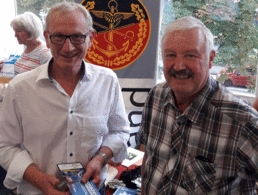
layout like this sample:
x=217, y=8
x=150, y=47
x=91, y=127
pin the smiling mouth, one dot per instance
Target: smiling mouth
x=182, y=76
x=69, y=56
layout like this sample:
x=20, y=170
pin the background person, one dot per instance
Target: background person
x=28, y=28
x=64, y=111
x=199, y=138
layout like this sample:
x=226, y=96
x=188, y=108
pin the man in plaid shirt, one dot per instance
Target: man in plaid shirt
x=199, y=138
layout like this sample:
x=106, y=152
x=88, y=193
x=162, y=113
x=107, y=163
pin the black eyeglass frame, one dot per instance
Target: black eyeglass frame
x=69, y=36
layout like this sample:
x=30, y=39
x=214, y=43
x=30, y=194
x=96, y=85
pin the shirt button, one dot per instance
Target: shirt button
x=71, y=111
x=71, y=133
x=71, y=154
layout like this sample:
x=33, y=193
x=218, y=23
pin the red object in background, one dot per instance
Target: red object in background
x=237, y=79
x=120, y=169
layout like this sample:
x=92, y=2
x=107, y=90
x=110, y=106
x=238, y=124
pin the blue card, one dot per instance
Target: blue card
x=73, y=173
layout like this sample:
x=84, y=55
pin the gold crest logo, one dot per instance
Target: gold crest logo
x=122, y=30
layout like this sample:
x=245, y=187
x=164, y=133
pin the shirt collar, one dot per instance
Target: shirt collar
x=169, y=95
x=201, y=105
x=44, y=74
x=196, y=111
x=87, y=71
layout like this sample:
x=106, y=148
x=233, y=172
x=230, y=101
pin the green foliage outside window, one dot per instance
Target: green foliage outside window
x=234, y=23
x=38, y=7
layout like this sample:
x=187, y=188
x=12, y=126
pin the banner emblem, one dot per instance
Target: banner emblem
x=122, y=30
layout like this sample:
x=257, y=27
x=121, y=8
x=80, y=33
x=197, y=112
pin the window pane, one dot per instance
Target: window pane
x=38, y=7
x=234, y=26
x=9, y=44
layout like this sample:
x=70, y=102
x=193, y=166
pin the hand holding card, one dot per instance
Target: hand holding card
x=73, y=173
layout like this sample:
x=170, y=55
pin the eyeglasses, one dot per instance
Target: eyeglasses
x=75, y=39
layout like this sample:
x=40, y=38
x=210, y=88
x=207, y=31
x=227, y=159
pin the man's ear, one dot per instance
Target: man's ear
x=212, y=56
x=91, y=36
x=47, y=39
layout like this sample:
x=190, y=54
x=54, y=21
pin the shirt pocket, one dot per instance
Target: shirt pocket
x=205, y=173
x=93, y=131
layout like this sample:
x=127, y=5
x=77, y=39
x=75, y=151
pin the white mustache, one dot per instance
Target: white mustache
x=181, y=73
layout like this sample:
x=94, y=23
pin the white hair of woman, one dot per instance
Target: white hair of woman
x=28, y=28
x=29, y=22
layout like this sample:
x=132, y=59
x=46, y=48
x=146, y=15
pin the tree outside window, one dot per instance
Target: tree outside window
x=234, y=24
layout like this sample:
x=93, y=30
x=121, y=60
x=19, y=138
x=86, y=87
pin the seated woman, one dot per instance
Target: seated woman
x=28, y=28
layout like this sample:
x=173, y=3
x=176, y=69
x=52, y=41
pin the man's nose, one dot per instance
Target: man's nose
x=179, y=63
x=68, y=46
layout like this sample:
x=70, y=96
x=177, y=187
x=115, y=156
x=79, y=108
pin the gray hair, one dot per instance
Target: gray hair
x=66, y=7
x=189, y=22
x=29, y=22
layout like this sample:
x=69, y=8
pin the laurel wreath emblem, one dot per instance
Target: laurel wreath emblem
x=135, y=49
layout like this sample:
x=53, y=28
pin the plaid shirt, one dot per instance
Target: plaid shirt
x=211, y=148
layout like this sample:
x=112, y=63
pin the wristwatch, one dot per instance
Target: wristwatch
x=104, y=156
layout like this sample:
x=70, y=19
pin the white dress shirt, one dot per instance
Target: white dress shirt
x=41, y=124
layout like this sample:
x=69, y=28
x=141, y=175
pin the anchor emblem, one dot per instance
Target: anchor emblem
x=113, y=18
x=122, y=32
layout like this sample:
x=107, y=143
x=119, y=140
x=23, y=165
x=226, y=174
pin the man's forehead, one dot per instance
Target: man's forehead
x=184, y=37
x=74, y=21
x=185, y=34
x=66, y=18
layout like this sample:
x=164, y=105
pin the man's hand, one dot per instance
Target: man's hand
x=114, y=164
x=95, y=165
x=45, y=183
x=93, y=170
x=49, y=185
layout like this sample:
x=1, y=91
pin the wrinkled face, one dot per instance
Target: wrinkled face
x=186, y=65
x=68, y=54
x=21, y=35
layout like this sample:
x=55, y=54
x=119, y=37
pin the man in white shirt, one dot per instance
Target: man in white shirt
x=64, y=111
